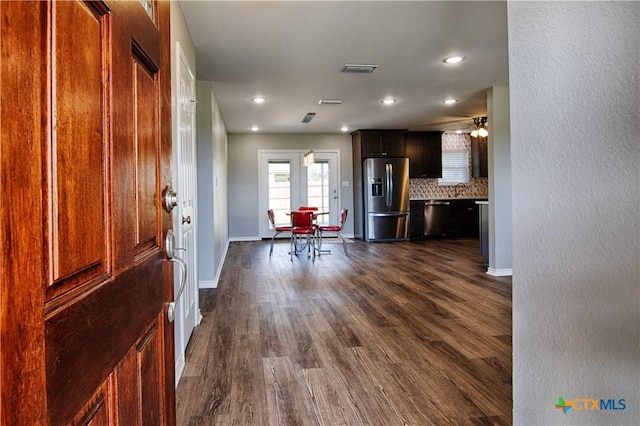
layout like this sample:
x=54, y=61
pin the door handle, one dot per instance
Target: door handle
x=170, y=248
x=169, y=198
x=389, y=176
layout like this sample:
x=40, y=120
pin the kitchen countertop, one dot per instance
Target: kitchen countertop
x=451, y=198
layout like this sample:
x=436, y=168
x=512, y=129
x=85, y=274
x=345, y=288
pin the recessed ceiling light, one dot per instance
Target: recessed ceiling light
x=449, y=101
x=453, y=59
x=388, y=101
x=259, y=100
x=255, y=128
x=344, y=128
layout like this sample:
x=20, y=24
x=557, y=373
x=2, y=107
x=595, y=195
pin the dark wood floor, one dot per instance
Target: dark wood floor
x=396, y=333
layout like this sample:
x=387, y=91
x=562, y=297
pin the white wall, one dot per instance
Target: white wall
x=211, y=159
x=575, y=131
x=243, y=174
x=180, y=33
x=499, y=161
x=213, y=205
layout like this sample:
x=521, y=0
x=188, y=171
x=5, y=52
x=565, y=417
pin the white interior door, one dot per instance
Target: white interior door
x=187, y=309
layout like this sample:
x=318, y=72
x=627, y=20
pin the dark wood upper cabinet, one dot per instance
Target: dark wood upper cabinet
x=479, y=157
x=382, y=143
x=424, y=150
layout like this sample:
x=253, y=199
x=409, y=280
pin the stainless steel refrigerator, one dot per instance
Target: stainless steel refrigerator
x=386, y=199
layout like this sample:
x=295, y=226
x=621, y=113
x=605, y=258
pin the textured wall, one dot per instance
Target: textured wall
x=575, y=126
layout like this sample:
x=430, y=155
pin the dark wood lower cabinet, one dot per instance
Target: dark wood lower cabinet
x=483, y=224
x=416, y=219
x=459, y=218
x=464, y=218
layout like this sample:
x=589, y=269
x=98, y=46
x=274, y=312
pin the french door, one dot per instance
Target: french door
x=286, y=184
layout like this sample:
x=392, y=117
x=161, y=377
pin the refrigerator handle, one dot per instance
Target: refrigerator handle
x=389, y=184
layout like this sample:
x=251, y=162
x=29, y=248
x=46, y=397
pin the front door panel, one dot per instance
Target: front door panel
x=108, y=345
x=78, y=150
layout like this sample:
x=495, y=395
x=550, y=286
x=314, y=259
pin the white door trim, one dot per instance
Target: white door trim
x=185, y=183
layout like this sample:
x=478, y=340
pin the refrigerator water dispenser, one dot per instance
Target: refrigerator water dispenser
x=376, y=187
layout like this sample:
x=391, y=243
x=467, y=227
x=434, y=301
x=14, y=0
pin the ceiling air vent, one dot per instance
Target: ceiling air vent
x=307, y=118
x=330, y=101
x=362, y=69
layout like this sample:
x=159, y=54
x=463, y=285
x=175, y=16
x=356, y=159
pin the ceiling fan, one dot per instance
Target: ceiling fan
x=463, y=123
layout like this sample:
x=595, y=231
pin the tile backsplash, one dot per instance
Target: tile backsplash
x=422, y=189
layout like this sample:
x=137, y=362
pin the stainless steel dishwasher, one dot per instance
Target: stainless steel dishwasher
x=437, y=214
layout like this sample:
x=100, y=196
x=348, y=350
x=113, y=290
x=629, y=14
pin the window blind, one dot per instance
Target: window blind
x=455, y=167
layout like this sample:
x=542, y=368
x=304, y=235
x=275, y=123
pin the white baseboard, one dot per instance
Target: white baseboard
x=221, y=264
x=284, y=236
x=180, y=363
x=208, y=284
x=232, y=239
x=507, y=272
x=216, y=279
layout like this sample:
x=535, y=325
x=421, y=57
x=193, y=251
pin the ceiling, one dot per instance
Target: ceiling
x=293, y=53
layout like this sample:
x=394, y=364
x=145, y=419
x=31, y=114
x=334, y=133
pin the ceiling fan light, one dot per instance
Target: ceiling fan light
x=483, y=132
x=474, y=133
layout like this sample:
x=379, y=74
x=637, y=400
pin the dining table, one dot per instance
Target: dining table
x=301, y=244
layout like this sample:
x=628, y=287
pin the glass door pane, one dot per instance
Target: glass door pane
x=318, y=188
x=280, y=190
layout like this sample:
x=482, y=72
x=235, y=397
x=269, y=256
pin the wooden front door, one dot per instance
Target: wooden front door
x=86, y=146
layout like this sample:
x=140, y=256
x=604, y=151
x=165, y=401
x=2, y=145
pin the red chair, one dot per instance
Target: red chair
x=302, y=226
x=306, y=208
x=277, y=229
x=334, y=228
